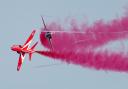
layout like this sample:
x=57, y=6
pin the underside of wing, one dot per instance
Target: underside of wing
x=20, y=61
x=29, y=40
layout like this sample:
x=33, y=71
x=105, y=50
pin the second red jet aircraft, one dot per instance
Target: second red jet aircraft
x=23, y=49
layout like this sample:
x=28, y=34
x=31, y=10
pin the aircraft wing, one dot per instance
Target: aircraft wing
x=29, y=40
x=20, y=61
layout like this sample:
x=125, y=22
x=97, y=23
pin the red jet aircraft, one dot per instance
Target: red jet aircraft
x=48, y=34
x=23, y=49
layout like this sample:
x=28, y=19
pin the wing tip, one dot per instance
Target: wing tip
x=18, y=69
x=34, y=31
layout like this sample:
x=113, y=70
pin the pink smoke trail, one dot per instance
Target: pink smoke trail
x=84, y=45
x=115, y=62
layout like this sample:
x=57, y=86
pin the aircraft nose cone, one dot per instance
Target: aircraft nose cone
x=48, y=35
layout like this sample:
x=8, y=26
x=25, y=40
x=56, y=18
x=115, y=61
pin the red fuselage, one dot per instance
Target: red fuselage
x=19, y=48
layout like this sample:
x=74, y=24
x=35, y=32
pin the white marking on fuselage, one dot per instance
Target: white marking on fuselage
x=22, y=57
x=27, y=44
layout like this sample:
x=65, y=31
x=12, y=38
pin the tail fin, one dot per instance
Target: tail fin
x=30, y=54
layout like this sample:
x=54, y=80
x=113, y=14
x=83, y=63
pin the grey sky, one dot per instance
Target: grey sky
x=19, y=17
